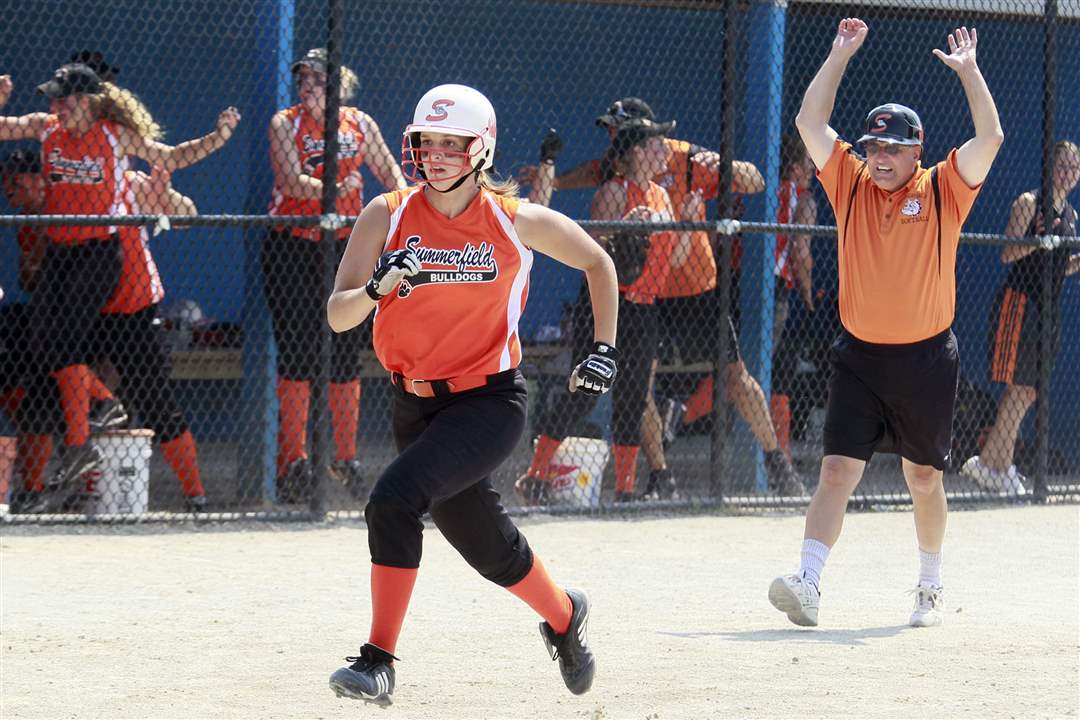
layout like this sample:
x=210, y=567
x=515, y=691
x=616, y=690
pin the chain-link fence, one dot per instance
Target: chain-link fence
x=174, y=357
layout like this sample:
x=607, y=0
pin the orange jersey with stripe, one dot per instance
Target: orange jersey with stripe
x=307, y=134
x=83, y=176
x=140, y=284
x=897, y=285
x=645, y=289
x=789, y=195
x=459, y=315
x=698, y=273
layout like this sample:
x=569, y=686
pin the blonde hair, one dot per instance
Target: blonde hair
x=124, y=108
x=507, y=187
x=350, y=83
x=1066, y=146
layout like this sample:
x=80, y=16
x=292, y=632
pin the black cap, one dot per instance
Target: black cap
x=629, y=108
x=634, y=132
x=72, y=79
x=95, y=60
x=893, y=123
x=20, y=162
x=314, y=58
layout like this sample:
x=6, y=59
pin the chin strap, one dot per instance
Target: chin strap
x=460, y=180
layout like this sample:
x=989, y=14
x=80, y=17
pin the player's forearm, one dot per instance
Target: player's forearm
x=820, y=96
x=604, y=294
x=188, y=153
x=348, y=308
x=580, y=177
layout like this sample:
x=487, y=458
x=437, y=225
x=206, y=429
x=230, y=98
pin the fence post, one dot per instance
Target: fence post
x=321, y=430
x=1046, y=307
x=764, y=99
x=257, y=428
x=718, y=449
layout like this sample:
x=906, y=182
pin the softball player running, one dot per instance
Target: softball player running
x=445, y=266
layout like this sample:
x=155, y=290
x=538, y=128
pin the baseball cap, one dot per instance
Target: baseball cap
x=20, y=162
x=314, y=58
x=71, y=79
x=634, y=132
x=893, y=123
x=95, y=60
x=629, y=108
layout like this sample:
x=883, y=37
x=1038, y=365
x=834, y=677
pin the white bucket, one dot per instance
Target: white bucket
x=122, y=484
x=577, y=472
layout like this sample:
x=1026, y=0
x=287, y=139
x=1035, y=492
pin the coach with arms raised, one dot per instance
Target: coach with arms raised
x=895, y=363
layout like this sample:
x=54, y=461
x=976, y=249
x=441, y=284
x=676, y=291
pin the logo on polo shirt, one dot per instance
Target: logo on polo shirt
x=912, y=207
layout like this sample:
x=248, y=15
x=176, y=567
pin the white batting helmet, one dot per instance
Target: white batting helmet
x=451, y=110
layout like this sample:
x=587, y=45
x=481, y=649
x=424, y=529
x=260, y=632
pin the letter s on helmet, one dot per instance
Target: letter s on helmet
x=451, y=110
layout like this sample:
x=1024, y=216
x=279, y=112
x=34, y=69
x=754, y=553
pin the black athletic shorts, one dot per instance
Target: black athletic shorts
x=692, y=326
x=1016, y=338
x=892, y=398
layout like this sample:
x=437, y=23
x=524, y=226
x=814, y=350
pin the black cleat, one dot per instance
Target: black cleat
x=532, y=491
x=370, y=677
x=783, y=480
x=350, y=474
x=296, y=484
x=195, y=504
x=661, y=486
x=576, y=662
x=624, y=497
x=107, y=414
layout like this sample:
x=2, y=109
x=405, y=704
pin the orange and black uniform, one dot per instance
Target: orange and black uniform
x=293, y=271
x=637, y=338
x=128, y=333
x=449, y=338
x=1018, y=314
x=83, y=175
x=895, y=363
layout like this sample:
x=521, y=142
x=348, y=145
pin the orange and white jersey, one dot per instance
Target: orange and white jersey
x=307, y=134
x=84, y=175
x=140, y=284
x=789, y=196
x=459, y=315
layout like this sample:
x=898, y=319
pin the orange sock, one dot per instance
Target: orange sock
x=75, y=401
x=391, y=589
x=294, y=401
x=10, y=401
x=780, y=409
x=34, y=452
x=700, y=403
x=626, y=467
x=95, y=387
x=183, y=458
x=545, y=450
x=545, y=597
x=345, y=416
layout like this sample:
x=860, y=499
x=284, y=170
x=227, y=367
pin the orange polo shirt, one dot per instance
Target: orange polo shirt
x=896, y=284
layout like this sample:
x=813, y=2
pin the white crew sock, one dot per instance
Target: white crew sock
x=812, y=560
x=929, y=568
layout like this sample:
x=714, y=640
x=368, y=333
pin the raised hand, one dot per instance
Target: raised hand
x=961, y=54
x=390, y=270
x=596, y=373
x=849, y=36
x=227, y=122
x=6, y=86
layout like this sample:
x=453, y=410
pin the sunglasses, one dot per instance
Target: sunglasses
x=890, y=149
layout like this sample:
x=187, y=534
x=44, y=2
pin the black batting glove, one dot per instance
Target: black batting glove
x=390, y=270
x=551, y=146
x=596, y=374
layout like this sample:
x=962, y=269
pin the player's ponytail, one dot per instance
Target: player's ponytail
x=124, y=108
x=507, y=187
x=349, y=83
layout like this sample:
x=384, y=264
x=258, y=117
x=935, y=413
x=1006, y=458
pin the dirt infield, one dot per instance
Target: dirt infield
x=228, y=623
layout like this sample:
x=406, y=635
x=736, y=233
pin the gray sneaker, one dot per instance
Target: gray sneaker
x=929, y=603
x=370, y=677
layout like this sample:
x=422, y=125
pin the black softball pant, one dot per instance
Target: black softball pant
x=637, y=340
x=75, y=282
x=449, y=446
x=292, y=283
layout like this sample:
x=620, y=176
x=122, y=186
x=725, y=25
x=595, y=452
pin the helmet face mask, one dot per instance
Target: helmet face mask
x=450, y=110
